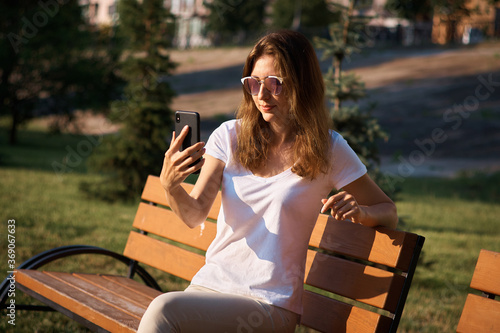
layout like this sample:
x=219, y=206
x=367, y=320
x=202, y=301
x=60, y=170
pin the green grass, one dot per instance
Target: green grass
x=458, y=218
x=51, y=211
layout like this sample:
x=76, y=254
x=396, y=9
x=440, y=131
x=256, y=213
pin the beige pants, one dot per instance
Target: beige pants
x=198, y=309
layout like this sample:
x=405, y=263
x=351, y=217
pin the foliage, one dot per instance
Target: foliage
x=301, y=15
x=349, y=88
x=419, y=10
x=357, y=126
x=361, y=130
x=452, y=8
x=144, y=113
x=228, y=18
x=52, y=61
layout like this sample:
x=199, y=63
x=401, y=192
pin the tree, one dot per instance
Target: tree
x=229, y=18
x=51, y=61
x=137, y=150
x=358, y=127
x=343, y=42
x=301, y=15
x=413, y=10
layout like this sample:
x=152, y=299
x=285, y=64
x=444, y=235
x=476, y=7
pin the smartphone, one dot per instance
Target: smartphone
x=192, y=119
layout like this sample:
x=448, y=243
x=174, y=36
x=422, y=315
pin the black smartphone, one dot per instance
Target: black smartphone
x=192, y=119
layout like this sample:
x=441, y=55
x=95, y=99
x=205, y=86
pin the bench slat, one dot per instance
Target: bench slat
x=328, y=315
x=167, y=257
x=480, y=314
x=487, y=273
x=116, y=287
x=378, y=245
x=114, y=299
x=153, y=220
x=360, y=282
x=154, y=192
x=70, y=300
x=130, y=284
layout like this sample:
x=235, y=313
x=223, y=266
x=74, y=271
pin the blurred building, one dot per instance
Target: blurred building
x=482, y=19
x=100, y=12
x=189, y=18
x=384, y=27
x=479, y=19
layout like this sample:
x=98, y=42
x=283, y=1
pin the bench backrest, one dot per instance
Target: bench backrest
x=357, y=277
x=482, y=313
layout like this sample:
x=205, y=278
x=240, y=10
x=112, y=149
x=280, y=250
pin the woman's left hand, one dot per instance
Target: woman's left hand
x=362, y=201
x=344, y=207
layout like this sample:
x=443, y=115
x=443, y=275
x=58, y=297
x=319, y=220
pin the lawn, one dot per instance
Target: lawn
x=458, y=217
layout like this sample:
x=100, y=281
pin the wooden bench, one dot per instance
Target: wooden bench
x=481, y=314
x=357, y=278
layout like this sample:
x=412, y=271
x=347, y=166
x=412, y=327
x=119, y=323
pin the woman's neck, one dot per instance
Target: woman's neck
x=279, y=156
x=281, y=136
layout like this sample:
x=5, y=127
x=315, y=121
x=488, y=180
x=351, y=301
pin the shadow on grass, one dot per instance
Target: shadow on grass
x=63, y=153
x=47, y=152
x=472, y=187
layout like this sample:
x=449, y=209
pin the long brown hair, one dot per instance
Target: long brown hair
x=296, y=61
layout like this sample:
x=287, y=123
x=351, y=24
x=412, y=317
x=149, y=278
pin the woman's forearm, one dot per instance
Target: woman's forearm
x=185, y=207
x=382, y=214
x=193, y=208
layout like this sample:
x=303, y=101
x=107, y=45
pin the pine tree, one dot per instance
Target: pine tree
x=234, y=20
x=51, y=61
x=137, y=150
x=305, y=16
x=356, y=125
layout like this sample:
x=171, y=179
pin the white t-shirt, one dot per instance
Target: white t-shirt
x=264, y=224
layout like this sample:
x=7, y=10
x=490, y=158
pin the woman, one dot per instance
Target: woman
x=276, y=165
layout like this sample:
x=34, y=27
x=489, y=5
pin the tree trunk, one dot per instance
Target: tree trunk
x=337, y=60
x=337, y=65
x=6, y=93
x=297, y=15
x=14, y=125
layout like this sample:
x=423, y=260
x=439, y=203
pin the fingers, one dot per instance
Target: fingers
x=181, y=161
x=192, y=160
x=343, y=206
x=184, y=162
x=178, y=138
x=176, y=144
x=177, y=165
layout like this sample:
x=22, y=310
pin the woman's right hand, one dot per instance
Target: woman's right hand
x=176, y=164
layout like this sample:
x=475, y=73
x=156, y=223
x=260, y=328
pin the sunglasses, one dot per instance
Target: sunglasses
x=272, y=83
